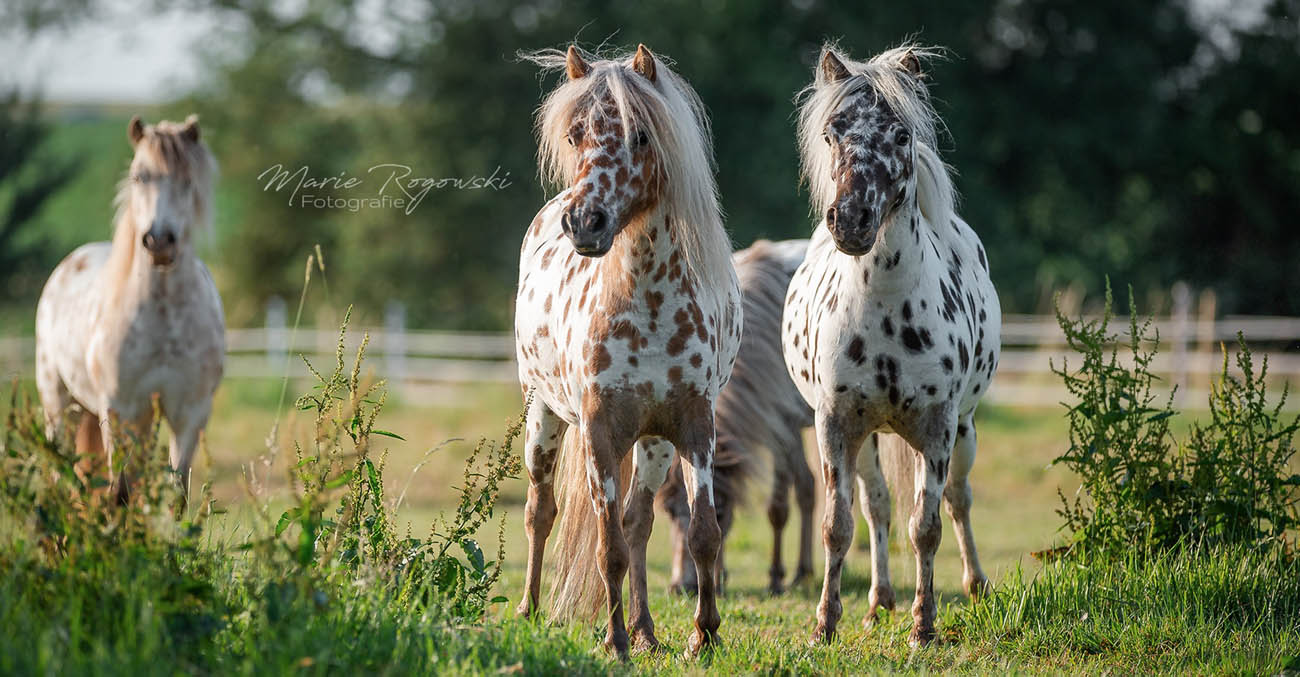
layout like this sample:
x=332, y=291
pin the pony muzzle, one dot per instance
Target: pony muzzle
x=161, y=245
x=590, y=230
x=853, y=228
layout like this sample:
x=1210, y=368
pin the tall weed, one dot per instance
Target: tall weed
x=1140, y=488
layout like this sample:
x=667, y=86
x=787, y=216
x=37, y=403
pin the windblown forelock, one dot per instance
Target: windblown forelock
x=907, y=98
x=165, y=151
x=673, y=117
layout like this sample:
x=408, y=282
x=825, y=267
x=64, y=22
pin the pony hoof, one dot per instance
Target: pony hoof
x=822, y=636
x=920, y=637
x=775, y=588
x=800, y=577
x=525, y=610
x=873, y=617
x=978, y=588
x=616, y=649
x=699, y=643
x=644, y=643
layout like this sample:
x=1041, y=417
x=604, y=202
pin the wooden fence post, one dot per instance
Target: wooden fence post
x=1205, y=335
x=1182, y=308
x=277, y=335
x=395, y=342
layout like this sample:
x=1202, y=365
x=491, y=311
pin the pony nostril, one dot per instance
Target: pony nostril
x=830, y=216
x=596, y=222
x=169, y=238
x=864, y=221
x=566, y=222
x=148, y=240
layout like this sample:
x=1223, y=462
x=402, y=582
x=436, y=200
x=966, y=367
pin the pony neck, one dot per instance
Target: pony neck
x=639, y=252
x=900, y=246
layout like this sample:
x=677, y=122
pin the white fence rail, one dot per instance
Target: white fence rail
x=1190, y=354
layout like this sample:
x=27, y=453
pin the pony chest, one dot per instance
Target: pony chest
x=664, y=340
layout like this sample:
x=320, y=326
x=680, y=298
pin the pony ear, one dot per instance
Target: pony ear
x=832, y=69
x=190, y=132
x=134, y=130
x=911, y=64
x=644, y=63
x=574, y=65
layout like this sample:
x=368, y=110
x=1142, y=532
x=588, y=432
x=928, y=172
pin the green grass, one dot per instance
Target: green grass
x=208, y=607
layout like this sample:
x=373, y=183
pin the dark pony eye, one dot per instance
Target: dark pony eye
x=904, y=138
x=569, y=138
x=827, y=138
x=642, y=139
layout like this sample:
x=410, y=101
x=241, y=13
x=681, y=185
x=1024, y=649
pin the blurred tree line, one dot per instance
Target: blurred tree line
x=1147, y=141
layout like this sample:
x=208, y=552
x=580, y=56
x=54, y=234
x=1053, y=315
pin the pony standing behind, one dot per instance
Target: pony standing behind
x=760, y=411
x=118, y=323
x=627, y=322
x=891, y=323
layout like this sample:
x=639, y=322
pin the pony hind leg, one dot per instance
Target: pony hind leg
x=874, y=493
x=652, y=458
x=805, y=488
x=544, y=432
x=778, y=513
x=957, y=500
x=838, y=439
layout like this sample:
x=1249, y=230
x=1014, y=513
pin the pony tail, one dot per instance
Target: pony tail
x=898, y=464
x=577, y=590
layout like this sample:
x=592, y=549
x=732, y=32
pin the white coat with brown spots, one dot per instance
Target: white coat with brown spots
x=892, y=323
x=627, y=322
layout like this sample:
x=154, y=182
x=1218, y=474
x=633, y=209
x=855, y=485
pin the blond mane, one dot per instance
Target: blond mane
x=906, y=95
x=680, y=137
x=161, y=151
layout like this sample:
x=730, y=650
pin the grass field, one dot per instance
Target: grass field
x=1221, y=611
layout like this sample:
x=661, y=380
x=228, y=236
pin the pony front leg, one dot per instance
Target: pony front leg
x=186, y=424
x=704, y=536
x=957, y=499
x=652, y=459
x=127, y=430
x=875, y=506
x=544, y=433
x=838, y=439
x=602, y=482
x=925, y=528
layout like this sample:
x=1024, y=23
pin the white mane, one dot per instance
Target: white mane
x=909, y=99
x=674, y=118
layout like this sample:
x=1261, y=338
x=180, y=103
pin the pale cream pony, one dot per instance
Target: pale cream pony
x=120, y=322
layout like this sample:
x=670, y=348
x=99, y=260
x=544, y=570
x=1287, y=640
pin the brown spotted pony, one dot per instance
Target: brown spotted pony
x=121, y=322
x=760, y=415
x=627, y=322
x=892, y=323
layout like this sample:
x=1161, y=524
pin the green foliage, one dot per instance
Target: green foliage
x=1230, y=483
x=1239, y=462
x=29, y=175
